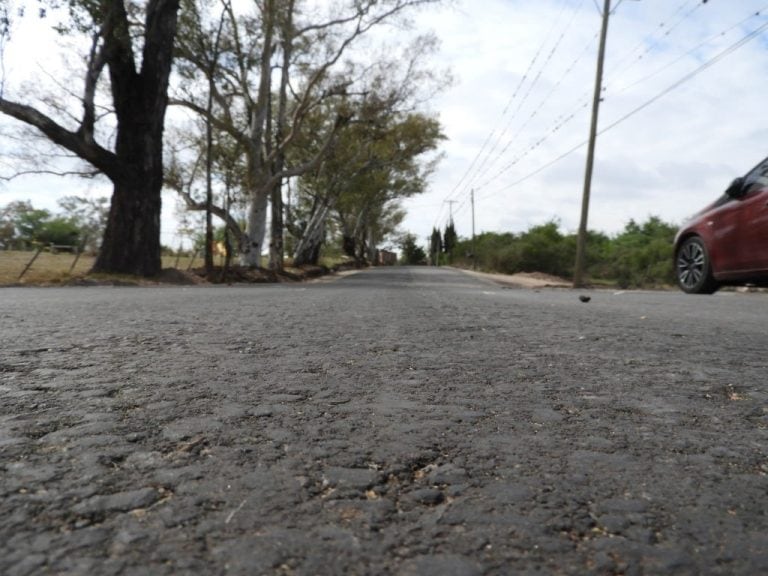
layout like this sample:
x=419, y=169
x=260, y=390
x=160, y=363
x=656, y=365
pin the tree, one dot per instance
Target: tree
x=24, y=225
x=391, y=168
x=412, y=253
x=267, y=117
x=134, y=160
x=450, y=239
x=643, y=254
x=60, y=232
x=89, y=215
x=21, y=223
x=29, y=221
x=435, y=246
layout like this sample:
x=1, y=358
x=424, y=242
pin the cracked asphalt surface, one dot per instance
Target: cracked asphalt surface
x=398, y=421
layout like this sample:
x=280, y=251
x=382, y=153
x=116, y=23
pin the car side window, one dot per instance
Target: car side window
x=758, y=177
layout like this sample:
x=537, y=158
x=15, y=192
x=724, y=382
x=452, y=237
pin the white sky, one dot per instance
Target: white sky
x=522, y=67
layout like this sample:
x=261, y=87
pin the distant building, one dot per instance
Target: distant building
x=386, y=258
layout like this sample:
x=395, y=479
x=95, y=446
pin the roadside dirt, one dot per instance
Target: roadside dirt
x=522, y=279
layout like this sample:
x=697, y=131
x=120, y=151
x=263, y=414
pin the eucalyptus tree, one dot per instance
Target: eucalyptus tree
x=396, y=168
x=206, y=169
x=127, y=59
x=382, y=156
x=281, y=61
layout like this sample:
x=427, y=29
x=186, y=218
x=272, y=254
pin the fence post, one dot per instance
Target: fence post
x=194, y=255
x=29, y=264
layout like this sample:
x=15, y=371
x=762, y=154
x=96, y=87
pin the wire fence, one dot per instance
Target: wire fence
x=55, y=263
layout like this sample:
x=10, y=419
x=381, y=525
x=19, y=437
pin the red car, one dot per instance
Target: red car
x=727, y=242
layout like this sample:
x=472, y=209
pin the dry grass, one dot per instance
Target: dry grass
x=56, y=268
x=47, y=268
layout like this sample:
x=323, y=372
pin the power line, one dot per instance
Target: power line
x=694, y=49
x=667, y=31
x=563, y=120
x=505, y=110
x=708, y=64
x=463, y=184
x=728, y=51
x=535, y=112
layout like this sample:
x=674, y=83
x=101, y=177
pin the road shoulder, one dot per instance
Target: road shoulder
x=520, y=280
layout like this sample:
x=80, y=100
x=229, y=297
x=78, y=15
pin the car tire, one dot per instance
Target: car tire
x=693, y=268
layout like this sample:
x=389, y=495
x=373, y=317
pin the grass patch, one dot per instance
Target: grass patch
x=57, y=268
x=47, y=268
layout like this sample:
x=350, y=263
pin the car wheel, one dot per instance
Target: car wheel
x=693, y=268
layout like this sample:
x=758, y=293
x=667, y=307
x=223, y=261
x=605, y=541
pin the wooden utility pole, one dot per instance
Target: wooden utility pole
x=581, y=239
x=450, y=207
x=474, y=249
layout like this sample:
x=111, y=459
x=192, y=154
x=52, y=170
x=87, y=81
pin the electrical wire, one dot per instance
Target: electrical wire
x=706, y=65
x=622, y=64
x=480, y=171
x=563, y=120
x=504, y=112
x=512, y=98
x=693, y=50
x=466, y=180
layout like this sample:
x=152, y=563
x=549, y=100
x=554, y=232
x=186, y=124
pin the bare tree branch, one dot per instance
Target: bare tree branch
x=79, y=173
x=102, y=159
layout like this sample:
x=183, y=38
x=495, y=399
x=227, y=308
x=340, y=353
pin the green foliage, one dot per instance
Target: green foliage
x=59, y=231
x=89, y=215
x=412, y=253
x=544, y=249
x=450, y=240
x=435, y=245
x=641, y=255
x=29, y=223
x=22, y=225
x=376, y=161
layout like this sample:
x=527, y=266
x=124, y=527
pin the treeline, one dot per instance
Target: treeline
x=79, y=223
x=638, y=256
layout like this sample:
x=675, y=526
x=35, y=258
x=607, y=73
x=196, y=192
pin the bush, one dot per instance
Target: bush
x=412, y=253
x=641, y=255
x=59, y=231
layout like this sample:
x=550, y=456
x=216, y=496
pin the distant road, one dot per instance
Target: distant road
x=396, y=421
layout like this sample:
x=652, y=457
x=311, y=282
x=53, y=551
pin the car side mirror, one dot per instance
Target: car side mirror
x=736, y=189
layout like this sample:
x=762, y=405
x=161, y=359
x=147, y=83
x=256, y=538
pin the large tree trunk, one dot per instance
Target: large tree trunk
x=256, y=231
x=349, y=245
x=131, y=242
x=308, y=249
x=260, y=140
x=132, y=238
x=276, y=246
x=276, y=252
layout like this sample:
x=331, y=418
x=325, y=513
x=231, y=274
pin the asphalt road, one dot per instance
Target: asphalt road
x=398, y=421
